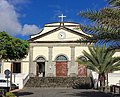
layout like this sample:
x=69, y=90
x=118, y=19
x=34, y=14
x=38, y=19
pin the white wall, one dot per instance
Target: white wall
x=17, y=79
x=61, y=50
x=38, y=51
x=113, y=78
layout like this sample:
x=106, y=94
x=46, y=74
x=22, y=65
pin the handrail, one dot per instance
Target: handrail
x=25, y=80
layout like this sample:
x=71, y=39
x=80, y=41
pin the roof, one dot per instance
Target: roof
x=58, y=26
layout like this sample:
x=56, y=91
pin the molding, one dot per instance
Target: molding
x=17, y=61
x=57, y=29
x=60, y=44
x=61, y=22
x=64, y=25
x=61, y=54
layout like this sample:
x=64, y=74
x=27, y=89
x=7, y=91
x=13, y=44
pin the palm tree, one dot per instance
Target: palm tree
x=105, y=23
x=100, y=60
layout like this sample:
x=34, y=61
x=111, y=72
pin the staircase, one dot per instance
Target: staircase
x=74, y=82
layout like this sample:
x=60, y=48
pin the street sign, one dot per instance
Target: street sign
x=7, y=72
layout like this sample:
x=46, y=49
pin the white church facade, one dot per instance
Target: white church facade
x=53, y=53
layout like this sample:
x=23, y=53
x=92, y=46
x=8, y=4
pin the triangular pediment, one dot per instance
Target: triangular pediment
x=59, y=32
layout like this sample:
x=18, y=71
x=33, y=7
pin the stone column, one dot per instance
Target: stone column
x=72, y=55
x=31, y=61
x=73, y=67
x=50, y=67
x=50, y=55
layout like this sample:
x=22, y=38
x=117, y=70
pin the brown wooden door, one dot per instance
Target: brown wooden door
x=61, y=69
x=82, y=71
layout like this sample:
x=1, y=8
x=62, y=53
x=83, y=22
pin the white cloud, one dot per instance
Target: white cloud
x=29, y=29
x=9, y=20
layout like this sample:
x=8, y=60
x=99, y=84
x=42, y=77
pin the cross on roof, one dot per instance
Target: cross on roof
x=62, y=17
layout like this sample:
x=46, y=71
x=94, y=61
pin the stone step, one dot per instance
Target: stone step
x=59, y=82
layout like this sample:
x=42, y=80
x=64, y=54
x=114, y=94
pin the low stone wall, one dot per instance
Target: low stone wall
x=75, y=82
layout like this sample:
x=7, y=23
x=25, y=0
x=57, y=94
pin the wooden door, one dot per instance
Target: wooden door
x=61, y=69
x=82, y=71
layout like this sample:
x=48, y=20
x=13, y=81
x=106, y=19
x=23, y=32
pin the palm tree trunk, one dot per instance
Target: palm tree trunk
x=101, y=85
x=99, y=78
x=104, y=83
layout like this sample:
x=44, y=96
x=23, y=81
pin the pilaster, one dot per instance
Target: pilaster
x=72, y=55
x=50, y=65
x=73, y=67
x=31, y=61
x=50, y=54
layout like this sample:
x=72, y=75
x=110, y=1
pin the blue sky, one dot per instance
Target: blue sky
x=21, y=18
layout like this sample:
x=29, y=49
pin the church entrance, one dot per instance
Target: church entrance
x=41, y=69
x=61, y=66
x=40, y=72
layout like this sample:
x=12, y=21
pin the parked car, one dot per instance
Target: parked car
x=4, y=84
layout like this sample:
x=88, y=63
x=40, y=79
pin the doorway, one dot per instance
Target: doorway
x=61, y=69
x=61, y=66
x=41, y=69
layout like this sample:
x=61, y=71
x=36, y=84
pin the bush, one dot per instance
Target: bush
x=9, y=94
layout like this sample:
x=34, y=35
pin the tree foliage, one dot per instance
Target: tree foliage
x=105, y=23
x=12, y=48
x=100, y=60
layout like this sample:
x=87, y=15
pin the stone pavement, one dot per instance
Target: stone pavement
x=58, y=92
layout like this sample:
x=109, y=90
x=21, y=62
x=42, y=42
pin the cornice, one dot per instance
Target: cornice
x=57, y=29
x=53, y=44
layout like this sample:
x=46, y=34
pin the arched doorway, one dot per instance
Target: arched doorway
x=40, y=67
x=61, y=66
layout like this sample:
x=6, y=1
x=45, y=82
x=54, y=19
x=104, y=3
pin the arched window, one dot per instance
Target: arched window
x=61, y=58
x=40, y=59
x=83, y=58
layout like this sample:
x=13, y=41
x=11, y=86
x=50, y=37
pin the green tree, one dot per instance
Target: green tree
x=100, y=60
x=4, y=39
x=105, y=23
x=12, y=49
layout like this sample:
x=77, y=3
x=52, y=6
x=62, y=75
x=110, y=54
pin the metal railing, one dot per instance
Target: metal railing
x=25, y=79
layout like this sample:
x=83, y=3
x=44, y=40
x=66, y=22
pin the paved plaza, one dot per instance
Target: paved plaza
x=59, y=92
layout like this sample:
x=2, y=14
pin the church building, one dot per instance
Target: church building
x=53, y=53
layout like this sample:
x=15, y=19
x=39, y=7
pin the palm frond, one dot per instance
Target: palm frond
x=114, y=2
x=100, y=59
